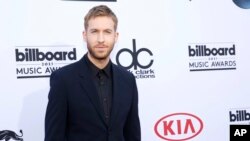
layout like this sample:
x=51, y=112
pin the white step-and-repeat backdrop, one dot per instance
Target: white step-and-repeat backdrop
x=190, y=58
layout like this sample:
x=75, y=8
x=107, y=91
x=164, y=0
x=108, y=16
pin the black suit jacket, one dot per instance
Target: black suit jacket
x=75, y=114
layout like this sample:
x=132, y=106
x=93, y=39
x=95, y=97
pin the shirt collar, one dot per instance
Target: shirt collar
x=95, y=69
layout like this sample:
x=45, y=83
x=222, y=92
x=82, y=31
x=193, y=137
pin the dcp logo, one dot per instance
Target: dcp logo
x=7, y=135
x=245, y=4
x=134, y=54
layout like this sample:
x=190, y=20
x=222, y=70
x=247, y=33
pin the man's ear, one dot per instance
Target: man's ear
x=84, y=35
x=116, y=36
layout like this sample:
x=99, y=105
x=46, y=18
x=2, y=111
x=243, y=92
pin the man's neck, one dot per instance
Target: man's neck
x=99, y=63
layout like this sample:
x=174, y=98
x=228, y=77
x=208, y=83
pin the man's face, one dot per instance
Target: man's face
x=100, y=37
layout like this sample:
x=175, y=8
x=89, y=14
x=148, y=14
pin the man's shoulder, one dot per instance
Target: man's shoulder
x=67, y=69
x=123, y=71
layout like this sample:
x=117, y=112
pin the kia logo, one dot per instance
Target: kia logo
x=178, y=127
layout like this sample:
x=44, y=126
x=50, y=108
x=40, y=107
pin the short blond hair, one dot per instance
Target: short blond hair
x=101, y=10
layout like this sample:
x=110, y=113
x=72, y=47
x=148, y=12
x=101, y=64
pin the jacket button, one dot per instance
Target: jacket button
x=110, y=130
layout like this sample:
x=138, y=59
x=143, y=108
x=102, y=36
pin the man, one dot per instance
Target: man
x=93, y=99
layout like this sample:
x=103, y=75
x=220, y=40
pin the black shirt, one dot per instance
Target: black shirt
x=102, y=79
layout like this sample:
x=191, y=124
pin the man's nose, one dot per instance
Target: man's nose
x=100, y=37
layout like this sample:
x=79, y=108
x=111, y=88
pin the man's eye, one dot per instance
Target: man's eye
x=108, y=32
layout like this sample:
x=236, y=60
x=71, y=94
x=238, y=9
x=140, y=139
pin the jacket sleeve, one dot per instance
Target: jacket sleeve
x=56, y=113
x=132, y=131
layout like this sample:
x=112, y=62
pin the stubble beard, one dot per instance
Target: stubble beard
x=99, y=56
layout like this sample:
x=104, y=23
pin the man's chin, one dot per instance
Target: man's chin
x=101, y=57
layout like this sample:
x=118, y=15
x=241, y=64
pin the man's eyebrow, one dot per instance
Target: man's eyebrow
x=110, y=30
x=94, y=29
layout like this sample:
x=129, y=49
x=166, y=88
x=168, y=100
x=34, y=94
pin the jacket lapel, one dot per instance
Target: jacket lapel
x=89, y=87
x=117, y=85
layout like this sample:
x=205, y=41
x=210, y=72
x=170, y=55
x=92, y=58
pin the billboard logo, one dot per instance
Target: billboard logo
x=7, y=135
x=178, y=127
x=211, y=56
x=245, y=4
x=139, y=69
x=202, y=50
x=36, y=55
x=239, y=116
x=41, y=61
